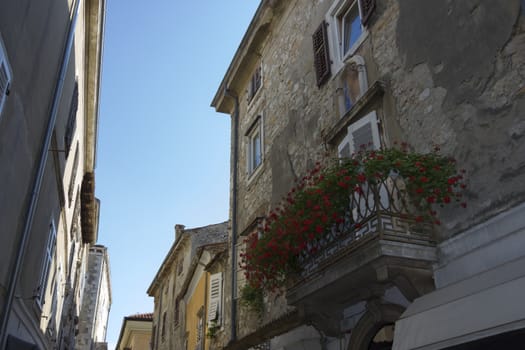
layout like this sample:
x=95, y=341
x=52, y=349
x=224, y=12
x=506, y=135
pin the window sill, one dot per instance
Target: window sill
x=340, y=63
x=375, y=91
x=254, y=175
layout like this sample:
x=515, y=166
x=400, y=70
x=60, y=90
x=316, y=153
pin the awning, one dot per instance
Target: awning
x=481, y=306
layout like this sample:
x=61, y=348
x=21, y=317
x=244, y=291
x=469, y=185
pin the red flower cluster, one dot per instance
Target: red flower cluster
x=322, y=197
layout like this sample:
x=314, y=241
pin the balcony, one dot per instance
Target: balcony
x=354, y=230
x=379, y=244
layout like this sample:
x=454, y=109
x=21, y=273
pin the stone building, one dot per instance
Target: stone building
x=50, y=66
x=135, y=333
x=182, y=286
x=96, y=301
x=316, y=79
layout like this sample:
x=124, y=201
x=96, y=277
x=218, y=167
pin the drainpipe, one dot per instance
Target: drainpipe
x=37, y=181
x=229, y=93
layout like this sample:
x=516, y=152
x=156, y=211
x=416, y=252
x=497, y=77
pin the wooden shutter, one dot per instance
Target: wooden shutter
x=367, y=8
x=364, y=132
x=214, y=298
x=321, y=55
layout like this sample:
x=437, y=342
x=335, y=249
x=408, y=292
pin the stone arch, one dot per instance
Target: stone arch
x=376, y=316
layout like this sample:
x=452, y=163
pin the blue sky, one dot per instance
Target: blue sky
x=163, y=153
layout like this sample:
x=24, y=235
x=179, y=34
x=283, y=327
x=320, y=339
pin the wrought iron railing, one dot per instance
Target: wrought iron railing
x=379, y=209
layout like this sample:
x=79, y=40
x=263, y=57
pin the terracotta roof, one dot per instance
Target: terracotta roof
x=146, y=317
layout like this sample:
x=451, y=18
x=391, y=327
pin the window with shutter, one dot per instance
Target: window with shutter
x=321, y=54
x=347, y=21
x=364, y=133
x=5, y=75
x=214, y=299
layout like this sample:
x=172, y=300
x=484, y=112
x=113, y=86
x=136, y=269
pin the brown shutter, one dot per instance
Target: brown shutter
x=367, y=8
x=321, y=56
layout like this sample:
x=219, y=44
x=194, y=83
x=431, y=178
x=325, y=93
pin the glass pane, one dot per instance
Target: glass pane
x=351, y=28
x=256, y=150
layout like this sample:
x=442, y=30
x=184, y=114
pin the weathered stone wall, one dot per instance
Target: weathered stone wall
x=458, y=82
x=455, y=76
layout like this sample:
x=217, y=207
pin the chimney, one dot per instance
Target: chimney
x=179, y=229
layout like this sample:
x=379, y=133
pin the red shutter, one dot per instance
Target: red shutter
x=321, y=56
x=367, y=8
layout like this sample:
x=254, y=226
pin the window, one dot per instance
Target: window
x=180, y=266
x=200, y=329
x=163, y=327
x=5, y=75
x=364, y=133
x=71, y=121
x=348, y=19
x=255, y=82
x=71, y=187
x=46, y=264
x=349, y=29
x=176, y=312
x=254, y=138
x=214, y=299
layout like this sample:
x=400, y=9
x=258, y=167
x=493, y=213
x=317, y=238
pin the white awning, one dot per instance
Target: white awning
x=486, y=304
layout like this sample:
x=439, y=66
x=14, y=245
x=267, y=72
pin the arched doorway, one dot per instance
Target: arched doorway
x=383, y=339
x=375, y=329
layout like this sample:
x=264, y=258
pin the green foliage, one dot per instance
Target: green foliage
x=253, y=298
x=213, y=328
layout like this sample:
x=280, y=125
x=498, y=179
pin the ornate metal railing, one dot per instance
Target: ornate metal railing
x=381, y=209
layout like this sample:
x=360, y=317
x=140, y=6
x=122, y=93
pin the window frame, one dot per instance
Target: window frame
x=334, y=17
x=254, y=132
x=256, y=82
x=370, y=118
x=47, y=262
x=4, y=61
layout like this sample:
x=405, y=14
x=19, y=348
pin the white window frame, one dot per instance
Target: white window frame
x=333, y=17
x=47, y=262
x=370, y=118
x=6, y=69
x=255, y=130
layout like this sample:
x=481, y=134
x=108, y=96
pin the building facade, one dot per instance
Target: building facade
x=313, y=80
x=96, y=301
x=135, y=333
x=50, y=66
x=183, y=285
